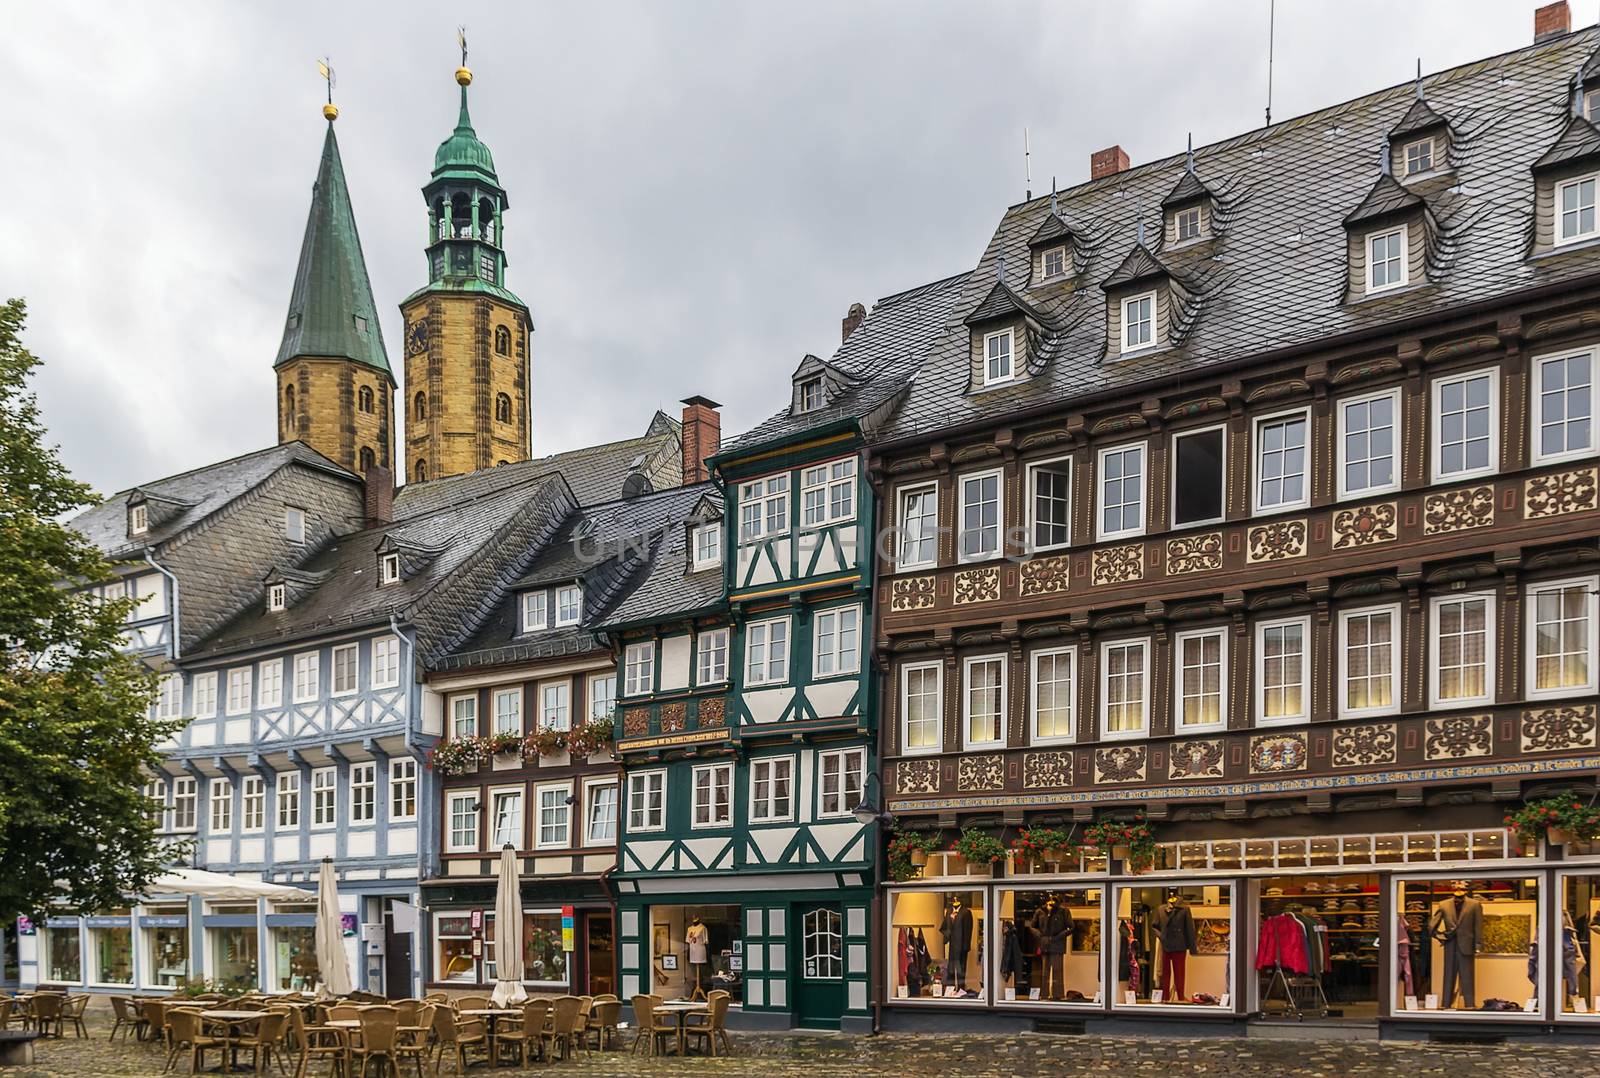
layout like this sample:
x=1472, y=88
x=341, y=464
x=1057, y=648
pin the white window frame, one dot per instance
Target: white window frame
x=906, y=748
x=828, y=643
x=244, y=679
x=711, y=657
x=713, y=558
x=402, y=774
x=1033, y=468
x=811, y=393
x=294, y=524
x=185, y=803
x=264, y=682
x=725, y=771
x=1100, y=531
x=641, y=786
x=999, y=477
x=764, y=676
x=1536, y=406
x=931, y=535
x=1396, y=448
x=497, y=699
x=169, y=697
x=770, y=496
x=1256, y=449
x=252, y=803
x=451, y=798
x=138, y=519
x=307, y=688
x=491, y=832
x=1191, y=213
x=1372, y=238
x=556, y=715
x=592, y=789
x=1106, y=733
x=1561, y=238
x=1179, y=436
x=363, y=781
x=561, y=808
x=1491, y=627
x=471, y=700
x=1260, y=671
x=1179, y=727
x=286, y=802
x=390, y=646
x=832, y=478
x=355, y=684
x=277, y=598
x=593, y=699
x=569, y=605
x=389, y=569
x=845, y=758
x=1045, y=272
x=1590, y=585
x=763, y=810
x=219, y=803
x=535, y=610
x=1435, y=411
x=1071, y=656
x=1396, y=653
x=1417, y=144
x=324, y=798
x=1009, y=355
x=204, y=696
x=1154, y=338
x=639, y=669
x=1002, y=663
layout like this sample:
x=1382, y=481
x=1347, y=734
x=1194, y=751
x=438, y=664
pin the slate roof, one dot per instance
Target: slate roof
x=1189, y=188
x=1386, y=199
x=1140, y=265
x=205, y=490
x=1276, y=278
x=1001, y=302
x=1579, y=139
x=1419, y=117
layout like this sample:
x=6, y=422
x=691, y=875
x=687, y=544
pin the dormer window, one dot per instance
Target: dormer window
x=569, y=605
x=294, y=524
x=138, y=519
x=1053, y=262
x=1186, y=223
x=811, y=395
x=1419, y=156
x=707, y=540
x=1575, y=204
x=534, y=611
x=1591, y=104
x=1138, y=321
x=1386, y=260
x=997, y=357
x=276, y=598
x=389, y=569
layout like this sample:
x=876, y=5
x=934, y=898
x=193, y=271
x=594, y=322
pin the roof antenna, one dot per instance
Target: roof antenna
x=1055, y=205
x=1027, y=164
x=1419, y=78
x=1189, y=160
x=1272, y=29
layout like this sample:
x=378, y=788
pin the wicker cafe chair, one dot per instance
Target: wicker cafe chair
x=523, y=1034
x=579, y=1033
x=713, y=1027
x=46, y=1011
x=472, y=1003
x=266, y=1042
x=184, y=1030
x=650, y=1034
x=154, y=1013
x=72, y=1011
x=379, y=1030
x=125, y=1016
x=559, y=1030
x=411, y=1039
x=458, y=1036
x=603, y=1022
x=318, y=1043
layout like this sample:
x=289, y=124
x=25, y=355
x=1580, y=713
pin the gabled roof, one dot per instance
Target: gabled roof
x=331, y=289
x=1189, y=188
x=1139, y=265
x=1419, y=117
x=1051, y=230
x=665, y=587
x=1579, y=140
x=1386, y=199
x=1001, y=302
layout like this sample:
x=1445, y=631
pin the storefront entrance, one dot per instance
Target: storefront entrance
x=396, y=958
x=599, y=950
x=819, y=990
x=1316, y=946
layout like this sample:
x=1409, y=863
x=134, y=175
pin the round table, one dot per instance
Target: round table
x=679, y=1011
x=230, y=1052
x=490, y=1016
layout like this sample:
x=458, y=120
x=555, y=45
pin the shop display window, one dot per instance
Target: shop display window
x=696, y=945
x=543, y=960
x=1580, y=932
x=1175, y=944
x=936, y=940
x=294, y=959
x=112, y=949
x=166, y=945
x=1468, y=945
x=235, y=958
x=63, y=962
x=453, y=938
x=1316, y=944
x=1049, y=946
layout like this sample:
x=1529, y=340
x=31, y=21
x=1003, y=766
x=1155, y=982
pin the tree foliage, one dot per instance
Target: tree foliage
x=76, y=736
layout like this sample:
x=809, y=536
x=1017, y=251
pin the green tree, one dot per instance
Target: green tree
x=76, y=738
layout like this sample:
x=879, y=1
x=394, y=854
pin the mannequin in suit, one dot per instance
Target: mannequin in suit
x=956, y=928
x=1054, y=926
x=1175, y=929
x=1457, y=923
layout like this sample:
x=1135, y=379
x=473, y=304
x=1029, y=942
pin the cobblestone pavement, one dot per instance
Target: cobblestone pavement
x=783, y=1055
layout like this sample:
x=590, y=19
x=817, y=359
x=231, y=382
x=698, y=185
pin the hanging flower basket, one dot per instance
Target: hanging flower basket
x=1558, y=820
x=1558, y=836
x=1133, y=842
x=919, y=857
x=908, y=853
x=1054, y=856
x=980, y=850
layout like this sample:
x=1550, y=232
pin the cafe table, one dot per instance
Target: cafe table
x=679, y=1011
x=491, y=1015
x=232, y=1020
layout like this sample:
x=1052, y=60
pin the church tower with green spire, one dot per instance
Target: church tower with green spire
x=466, y=343
x=335, y=389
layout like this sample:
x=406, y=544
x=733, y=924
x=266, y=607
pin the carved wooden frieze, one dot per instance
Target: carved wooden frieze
x=1121, y=763
x=1458, y=510
x=1117, y=423
x=1194, y=554
x=672, y=717
x=1560, y=492
x=1273, y=754
x=1358, y=372
x=1044, y=576
x=1199, y=406
x=1044, y=439
x=635, y=721
x=916, y=777
x=1198, y=759
x=1046, y=770
x=1567, y=323
x=1118, y=564
x=911, y=593
x=1466, y=346
x=981, y=773
x=1458, y=737
x=979, y=585
x=1365, y=746
x=713, y=713
x=974, y=452
x=1285, y=388
x=1557, y=729
x=1365, y=525
x=1276, y=540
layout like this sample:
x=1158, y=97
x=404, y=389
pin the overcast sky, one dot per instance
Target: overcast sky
x=698, y=190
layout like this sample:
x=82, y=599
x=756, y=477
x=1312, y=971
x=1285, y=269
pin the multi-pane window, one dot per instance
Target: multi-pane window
x=238, y=690
x=269, y=683
x=600, y=827
x=919, y=527
x=1575, y=209
x=639, y=668
x=711, y=657
x=984, y=700
x=288, y=800
x=647, y=800
x=1282, y=461
x=1564, y=401
x=220, y=797
x=345, y=665
x=138, y=519
x=363, y=792
x=828, y=492
x=713, y=791
x=1198, y=479
x=555, y=706
x=402, y=789
x=1053, y=262
x=1419, y=156
x=763, y=507
x=535, y=611
x=156, y=792
x=252, y=803
x=766, y=652
x=505, y=818
x=1367, y=428
x=324, y=790
x=997, y=357
x=602, y=695
x=389, y=569
x=385, y=662
x=836, y=642
x=463, y=716
x=707, y=546
x=1124, y=687
x=305, y=677
x=508, y=711
x=185, y=800
x=463, y=810
x=569, y=605
x=1138, y=321
x=811, y=395
x=1561, y=637
x=1052, y=689
x=1198, y=666
x=822, y=944
x=980, y=516
x=1188, y=224
x=1050, y=504
x=1368, y=658
x=771, y=789
x=1386, y=260
x=277, y=598
x=1463, y=413
x=205, y=695
x=169, y=697
x=1463, y=631
x=1282, y=668
x=842, y=773
x=294, y=524
x=1122, y=491
x=555, y=816
x=921, y=707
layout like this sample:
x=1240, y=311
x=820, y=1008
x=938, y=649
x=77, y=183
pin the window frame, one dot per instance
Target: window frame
x=1190, y=432
x=185, y=788
x=1070, y=653
x=358, y=785
x=1405, y=156
x=1557, y=212
x=1436, y=428
x=261, y=682
x=591, y=697
x=1259, y=671
x=355, y=687
x=646, y=648
x=827, y=486
x=294, y=524
x=1344, y=492
x=1154, y=340
x=1396, y=655
x=810, y=401
x=906, y=748
x=639, y=783
x=1404, y=232
x=844, y=756
x=765, y=680
x=562, y=687
x=591, y=790
x=901, y=561
x=277, y=598
x=1044, y=262
x=138, y=519
x=1256, y=448
x=1104, y=713
x=1010, y=375
x=715, y=559
x=286, y=802
x=451, y=718
x=534, y=601
x=1188, y=213
x=1063, y=463
x=314, y=667
x=1590, y=584
x=770, y=802
x=1179, y=727
x=565, y=809
x=1536, y=406
x=388, y=570
x=388, y=642
x=324, y=781
x=1002, y=662
x=562, y=621
x=489, y=834
x=999, y=477
x=397, y=782
x=1491, y=627
x=207, y=678
x=495, y=697
x=758, y=492
x=219, y=794
x=707, y=644
x=451, y=797
x=248, y=678
x=252, y=794
x=713, y=821
x=1101, y=534
x=839, y=655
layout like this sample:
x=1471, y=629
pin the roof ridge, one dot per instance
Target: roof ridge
x=199, y=468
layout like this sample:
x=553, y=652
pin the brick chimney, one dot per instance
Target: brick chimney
x=1552, y=20
x=853, y=318
x=702, y=437
x=1108, y=162
x=378, y=494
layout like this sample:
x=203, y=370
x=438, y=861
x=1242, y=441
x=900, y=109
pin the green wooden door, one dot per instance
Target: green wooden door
x=819, y=991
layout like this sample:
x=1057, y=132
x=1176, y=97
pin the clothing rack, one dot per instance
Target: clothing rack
x=1302, y=996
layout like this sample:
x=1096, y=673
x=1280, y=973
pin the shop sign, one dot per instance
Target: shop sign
x=477, y=920
x=25, y=927
x=668, y=740
x=568, y=930
x=107, y=922
x=164, y=920
x=347, y=925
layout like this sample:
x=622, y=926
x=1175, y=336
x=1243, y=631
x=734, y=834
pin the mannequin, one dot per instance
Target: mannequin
x=1457, y=923
x=1054, y=926
x=956, y=928
x=697, y=936
x=1176, y=931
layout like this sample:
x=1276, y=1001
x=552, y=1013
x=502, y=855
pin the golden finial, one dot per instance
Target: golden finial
x=463, y=73
x=330, y=111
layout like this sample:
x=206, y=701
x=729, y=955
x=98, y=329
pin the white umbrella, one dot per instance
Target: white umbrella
x=508, y=989
x=194, y=881
x=332, y=964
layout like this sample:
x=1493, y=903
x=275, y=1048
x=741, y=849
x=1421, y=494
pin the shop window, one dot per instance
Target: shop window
x=700, y=947
x=1049, y=949
x=112, y=948
x=63, y=954
x=235, y=952
x=935, y=945
x=294, y=955
x=454, y=960
x=1175, y=945
x=1468, y=945
x=543, y=960
x=1322, y=933
x=166, y=945
x=1580, y=931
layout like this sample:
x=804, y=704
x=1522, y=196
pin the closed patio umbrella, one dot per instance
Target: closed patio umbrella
x=332, y=965
x=508, y=991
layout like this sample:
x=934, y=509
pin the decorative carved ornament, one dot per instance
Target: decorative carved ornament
x=911, y=593
x=1120, y=763
x=713, y=713
x=1560, y=492
x=1567, y=323
x=981, y=773
x=635, y=722
x=1200, y=759
x=1465, y=347
x=1458, y=510
x=1557, y=729
x=1117, y=423
x=980, y=585
x=1198, y=406
x=1044, y=439
x=1278, y=540
x=1118, y=564
x=916, y=777
x=1046, y=770
x=672, y=717
x=1194, y=554
x=974, y=452
x=909, y=464
x=1365, y=746
x=1365, y=525
x=1272, y=754
x=1358, y=372
x=1045, y=576
x=1278, y=389
x=1458, y=737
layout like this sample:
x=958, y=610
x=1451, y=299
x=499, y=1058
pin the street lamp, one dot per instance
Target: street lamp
x=867, y=810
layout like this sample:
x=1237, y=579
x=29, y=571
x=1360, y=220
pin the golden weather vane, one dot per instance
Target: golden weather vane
x=463, y=73
x=325, y=69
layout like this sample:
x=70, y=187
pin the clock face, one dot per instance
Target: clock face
x=417, y=337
